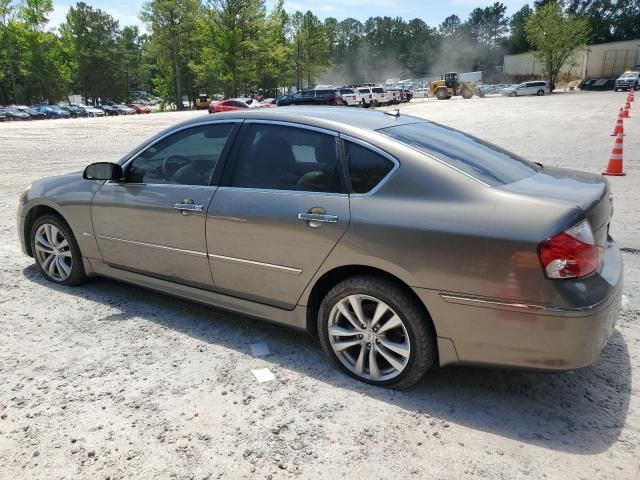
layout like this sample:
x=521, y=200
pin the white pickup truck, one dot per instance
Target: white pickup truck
x=366, y=96
x=380, y=96
x=351, y=97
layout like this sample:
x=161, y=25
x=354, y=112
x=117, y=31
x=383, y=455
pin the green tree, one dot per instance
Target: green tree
x=91, y=37
x=173, y=29
x=518, y=42
x=555, y=35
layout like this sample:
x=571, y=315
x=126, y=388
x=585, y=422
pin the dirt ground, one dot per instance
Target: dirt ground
x=108, y=381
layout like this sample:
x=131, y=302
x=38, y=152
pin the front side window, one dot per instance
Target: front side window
x=278, y=157
x=366, y=167
x=481, y=160
x=187, y=157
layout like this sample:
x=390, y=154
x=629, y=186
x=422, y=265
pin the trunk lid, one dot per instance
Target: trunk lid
x=588, y=192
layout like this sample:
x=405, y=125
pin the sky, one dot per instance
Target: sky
x=431, y=11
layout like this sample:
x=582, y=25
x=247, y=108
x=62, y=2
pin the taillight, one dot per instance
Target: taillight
x=571, y=254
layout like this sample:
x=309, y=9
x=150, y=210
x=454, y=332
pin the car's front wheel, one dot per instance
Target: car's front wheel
x=56, y=251
x=376, y=332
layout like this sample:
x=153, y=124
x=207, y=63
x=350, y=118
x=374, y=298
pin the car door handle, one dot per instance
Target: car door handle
x=317, y=217
x=189, y=207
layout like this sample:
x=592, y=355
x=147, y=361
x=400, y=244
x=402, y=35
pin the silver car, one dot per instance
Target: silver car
x=537, y=87
x=401, y=243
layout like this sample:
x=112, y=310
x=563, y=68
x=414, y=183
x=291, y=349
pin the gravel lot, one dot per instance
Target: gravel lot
x=108, y=381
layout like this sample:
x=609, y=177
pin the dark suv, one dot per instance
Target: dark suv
x=312, y=97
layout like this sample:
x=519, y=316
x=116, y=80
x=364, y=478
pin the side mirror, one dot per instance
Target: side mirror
x=103, y=171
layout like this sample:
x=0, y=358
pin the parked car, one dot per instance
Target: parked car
x=367, y=96
x=124, y=110
x=33, y=113
x=538, y=87
x=12, y=113
x=407, y=95
x=139, y=108
x=3, y=114
x=400, y=242
x=628, y=81
x=52, y=111
x=379, y=96
x=91, y=111
x=227, y=106
x=109, y=110
x=351, y=97
x=394, y=96
x=327, y=96
x=74, y=112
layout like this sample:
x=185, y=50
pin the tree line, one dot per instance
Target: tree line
x=238, y=47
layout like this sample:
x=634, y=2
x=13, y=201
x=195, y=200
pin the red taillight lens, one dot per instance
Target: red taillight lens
x=571, y=254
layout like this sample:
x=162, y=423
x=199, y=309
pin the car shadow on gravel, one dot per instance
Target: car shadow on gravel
x=580, y=412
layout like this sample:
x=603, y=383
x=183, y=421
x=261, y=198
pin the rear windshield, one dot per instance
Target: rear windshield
x=481, y=160
x=378, y=90
x=346, y=90
x=364, y=90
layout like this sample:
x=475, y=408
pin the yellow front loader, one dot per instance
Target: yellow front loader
x=450, y=85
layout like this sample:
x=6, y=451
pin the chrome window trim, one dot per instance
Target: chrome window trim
x=292, y=124
x=154, y=245
x=175, y=130
x=270, y=266
x=290, y=192
x=379, y=151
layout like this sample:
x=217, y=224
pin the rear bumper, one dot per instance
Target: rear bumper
x=497, y=332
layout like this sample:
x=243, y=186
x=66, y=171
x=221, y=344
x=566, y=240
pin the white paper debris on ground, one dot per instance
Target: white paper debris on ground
x=626, y=303
x=260, y=349
x=263, y=375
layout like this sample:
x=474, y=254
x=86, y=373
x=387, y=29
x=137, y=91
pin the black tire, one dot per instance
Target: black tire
x=77, y=275
x=422, y=338
x=442, y=94
x=513, y=94
x=540, y=93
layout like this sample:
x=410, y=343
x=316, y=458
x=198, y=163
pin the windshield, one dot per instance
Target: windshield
x=481, y=160
x=630, y=75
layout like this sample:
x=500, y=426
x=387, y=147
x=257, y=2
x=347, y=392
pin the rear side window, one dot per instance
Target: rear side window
x=278, y=157
x=366, y=167
x=481, y=160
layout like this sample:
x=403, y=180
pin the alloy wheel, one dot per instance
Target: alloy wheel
x=53, y=252
x=368, y=337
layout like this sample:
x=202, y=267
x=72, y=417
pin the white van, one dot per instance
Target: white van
x=537, y=87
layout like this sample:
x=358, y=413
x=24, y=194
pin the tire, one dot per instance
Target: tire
x=616, y=89
x=540, y=93
x=513, y=94
x=345, y=104
x=466, y=93
x=442, y=94
x=66, y=267
x=411, y=333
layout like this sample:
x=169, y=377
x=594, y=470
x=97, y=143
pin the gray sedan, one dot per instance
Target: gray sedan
x=401, y=243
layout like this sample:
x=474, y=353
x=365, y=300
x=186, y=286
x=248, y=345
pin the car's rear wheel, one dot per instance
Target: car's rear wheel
x=56, y=251
x=376, y=332
x=540, y=93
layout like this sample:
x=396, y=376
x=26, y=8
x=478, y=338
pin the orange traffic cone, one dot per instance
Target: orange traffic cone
x=619, y=128
x=625, y=113
x=614, y=168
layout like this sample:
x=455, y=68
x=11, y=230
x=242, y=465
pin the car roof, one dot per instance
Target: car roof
x=340, y=119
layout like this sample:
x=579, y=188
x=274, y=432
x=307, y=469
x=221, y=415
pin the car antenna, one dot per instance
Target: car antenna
x=394, y=113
